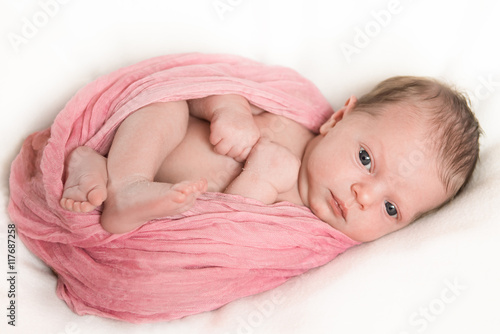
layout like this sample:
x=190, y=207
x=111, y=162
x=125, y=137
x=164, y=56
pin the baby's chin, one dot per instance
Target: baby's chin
x=335, y=222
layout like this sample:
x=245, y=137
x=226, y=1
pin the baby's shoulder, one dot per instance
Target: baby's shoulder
x=267, y=121
x=283, y=130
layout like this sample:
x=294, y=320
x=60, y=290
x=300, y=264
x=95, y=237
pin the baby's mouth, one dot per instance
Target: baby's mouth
x=338, y=206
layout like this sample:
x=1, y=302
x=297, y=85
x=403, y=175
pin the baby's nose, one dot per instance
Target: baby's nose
x=365, y=194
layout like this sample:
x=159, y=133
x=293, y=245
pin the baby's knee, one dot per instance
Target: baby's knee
x=175, y=113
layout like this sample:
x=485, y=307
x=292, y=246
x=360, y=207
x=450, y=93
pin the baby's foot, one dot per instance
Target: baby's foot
x=85, y=186
x=131, y=204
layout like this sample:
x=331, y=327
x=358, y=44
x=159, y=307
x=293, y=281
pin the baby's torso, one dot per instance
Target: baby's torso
x=195, y=158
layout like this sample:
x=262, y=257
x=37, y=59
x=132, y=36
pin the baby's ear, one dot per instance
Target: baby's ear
x=338, y=115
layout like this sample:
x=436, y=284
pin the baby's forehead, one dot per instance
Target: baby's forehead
x=397, y=120
x=403, y=111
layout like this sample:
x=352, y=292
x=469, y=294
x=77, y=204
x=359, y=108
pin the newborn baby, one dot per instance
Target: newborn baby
x=378, y=163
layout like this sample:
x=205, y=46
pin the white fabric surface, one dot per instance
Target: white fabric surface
x=440, y=275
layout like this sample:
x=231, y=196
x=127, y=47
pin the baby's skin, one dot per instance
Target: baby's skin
x=165, y=155
x=210, y=156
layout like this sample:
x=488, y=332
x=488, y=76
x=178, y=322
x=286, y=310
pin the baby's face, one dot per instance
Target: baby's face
x=368, y=176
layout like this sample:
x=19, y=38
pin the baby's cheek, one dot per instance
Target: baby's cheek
x=368, y=230
x=320, y=210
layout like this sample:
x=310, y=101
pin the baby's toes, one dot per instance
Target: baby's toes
x=71, y=205
x=77, y=207
x=96, y=197
x=202, y=185
x=86, y=207
x=66, y=203
x=184, y=190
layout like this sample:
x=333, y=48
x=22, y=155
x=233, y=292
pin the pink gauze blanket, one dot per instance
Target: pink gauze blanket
x=226, y=247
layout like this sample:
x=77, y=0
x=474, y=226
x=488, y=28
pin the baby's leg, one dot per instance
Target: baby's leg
x=139, y=147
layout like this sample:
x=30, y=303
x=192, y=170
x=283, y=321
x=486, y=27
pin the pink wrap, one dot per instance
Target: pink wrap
x=226, y=247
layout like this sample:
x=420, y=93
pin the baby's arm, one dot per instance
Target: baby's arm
x=233, y=131
x=270, y=169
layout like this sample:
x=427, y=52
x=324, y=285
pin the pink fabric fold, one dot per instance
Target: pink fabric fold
x=226, y=247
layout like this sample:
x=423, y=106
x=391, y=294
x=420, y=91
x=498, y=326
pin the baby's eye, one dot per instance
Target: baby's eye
x=391, y=209
x=365, y=159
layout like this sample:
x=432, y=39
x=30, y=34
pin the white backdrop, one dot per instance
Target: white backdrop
x=438, y=276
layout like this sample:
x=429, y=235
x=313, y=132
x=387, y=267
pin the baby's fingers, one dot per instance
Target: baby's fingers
x=238, y=153
x=215, y=138
x=243, y=155
x=223, y=147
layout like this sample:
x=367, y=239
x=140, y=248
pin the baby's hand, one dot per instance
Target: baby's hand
x=233, y=133
x=273, y=164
